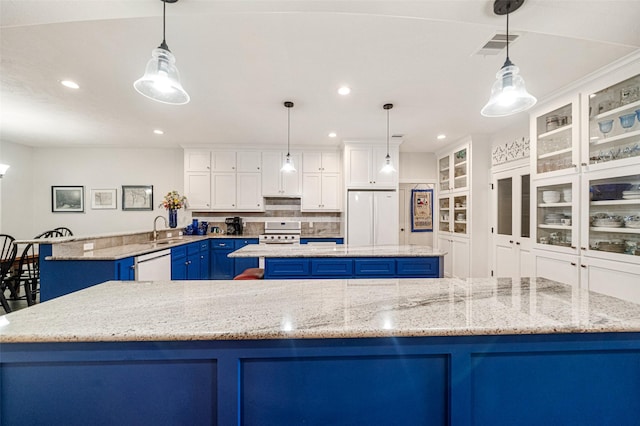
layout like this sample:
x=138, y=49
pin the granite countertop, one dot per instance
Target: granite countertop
x=278, y=309
x=338, y=250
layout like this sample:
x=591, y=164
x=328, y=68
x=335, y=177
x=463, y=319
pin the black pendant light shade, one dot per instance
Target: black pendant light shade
x=161, y=80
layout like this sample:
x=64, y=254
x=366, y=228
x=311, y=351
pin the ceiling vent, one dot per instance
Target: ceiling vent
x=497, y=43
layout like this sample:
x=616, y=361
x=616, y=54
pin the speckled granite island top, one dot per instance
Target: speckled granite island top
x=338, y=250
x=240, y=310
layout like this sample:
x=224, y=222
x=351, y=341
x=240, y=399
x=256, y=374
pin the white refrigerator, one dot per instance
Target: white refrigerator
x=372, y=218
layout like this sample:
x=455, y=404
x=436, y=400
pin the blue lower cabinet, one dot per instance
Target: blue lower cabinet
x=416, y=267
x=283, y=268
x=222, y=267
x=375, y=267
x=321, y=240
x=331, y=268
x=179, y=263
x=125, y=269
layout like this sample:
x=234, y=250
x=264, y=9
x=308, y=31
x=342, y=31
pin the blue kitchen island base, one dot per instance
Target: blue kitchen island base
x=568, y=379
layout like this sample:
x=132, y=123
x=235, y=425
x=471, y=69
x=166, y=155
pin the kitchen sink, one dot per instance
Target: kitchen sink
x=170, y=241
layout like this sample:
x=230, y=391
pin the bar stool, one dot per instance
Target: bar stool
x=250, y=274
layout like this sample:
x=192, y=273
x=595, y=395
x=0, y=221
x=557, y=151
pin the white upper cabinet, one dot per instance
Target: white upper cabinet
x=327, y=162
x=249, y=161
x=223, y=161
x=197, y=160
x=197, y=188
x=363, y=163
x=280, y=184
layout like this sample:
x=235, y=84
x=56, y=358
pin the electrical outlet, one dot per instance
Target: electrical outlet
x=87, y=246
x=169, y=234
x=180, y=233
x=310, y=224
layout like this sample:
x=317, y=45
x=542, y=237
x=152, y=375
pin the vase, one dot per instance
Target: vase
x=173, y=218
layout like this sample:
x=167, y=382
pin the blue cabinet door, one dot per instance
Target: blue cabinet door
x=179, y=263
x=374, y=267
x=222, y=267
x=282, y=268
x=125, y=269
x=331, y=268
x=417, y=267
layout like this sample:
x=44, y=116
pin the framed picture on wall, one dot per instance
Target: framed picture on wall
x=67, y=199
x=422, y=210
x=137, y=197
x=103, y=199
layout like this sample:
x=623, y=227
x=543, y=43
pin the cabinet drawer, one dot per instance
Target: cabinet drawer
x=286, y=268
x=204, y=245
x=331, y=268
x=418, y=267
x=321, y=240
x=372, y=267
x=221, y=244
x=193, y=248
x=239, y=243
x=178, y=252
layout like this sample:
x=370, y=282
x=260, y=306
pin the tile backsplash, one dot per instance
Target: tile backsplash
x=279, y=209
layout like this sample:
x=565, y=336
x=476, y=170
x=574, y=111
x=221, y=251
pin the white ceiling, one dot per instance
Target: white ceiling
x=239, y=60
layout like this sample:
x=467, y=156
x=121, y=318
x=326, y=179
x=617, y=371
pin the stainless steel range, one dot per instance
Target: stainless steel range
x=281, y=232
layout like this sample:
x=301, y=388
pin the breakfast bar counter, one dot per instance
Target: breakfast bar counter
x=302, y=261
x=376, y=351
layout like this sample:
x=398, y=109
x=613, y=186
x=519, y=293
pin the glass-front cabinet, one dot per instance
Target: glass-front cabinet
x=613, y=125
x=555, y=140
x=453, y=214
x=556, y=214
x=453, y=171
x=613, y=214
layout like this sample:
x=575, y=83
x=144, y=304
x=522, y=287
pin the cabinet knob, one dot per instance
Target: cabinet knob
x=132, y=267
x=208, y=167
x=574, y=165
x=584, y=164
x=258, y=168
x=510, y=241
x=258, y=204
x=233, y=168
x=233, y=205
x=517, y=243
x=573, y=247
x=583, y=248
x=573, y=263
x=583, y=266
x=207, y=204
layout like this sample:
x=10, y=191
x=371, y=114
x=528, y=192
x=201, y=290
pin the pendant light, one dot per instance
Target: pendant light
x=161, y=81
x=288, y=162
x=508, y=93
x=388, y=166
x=3, y=169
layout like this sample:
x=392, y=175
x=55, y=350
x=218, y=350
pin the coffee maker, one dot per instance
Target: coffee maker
x=234, y=225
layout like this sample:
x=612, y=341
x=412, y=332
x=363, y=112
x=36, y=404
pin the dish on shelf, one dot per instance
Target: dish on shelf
x=611, y=247
x=604, y=220
x=609, y=191
x=551, y=196
x=632, y=222
x=627, y=120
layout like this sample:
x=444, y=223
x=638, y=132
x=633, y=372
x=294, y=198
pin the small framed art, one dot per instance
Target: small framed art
x=67, y=199
x=137, y=197
x=422, y=210
x=103, y=199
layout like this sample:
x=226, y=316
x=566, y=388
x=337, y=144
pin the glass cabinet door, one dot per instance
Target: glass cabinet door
x=614, y=215
x=557, y=215
x=460, y=214
x=614, y=123
x=445, y=215
x=444, y=172
x=554, y=140
x=460, y=168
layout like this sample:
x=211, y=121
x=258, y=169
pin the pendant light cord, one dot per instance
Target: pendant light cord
x=163, y=45
x=288, y=128
x=387, y=133
x=507, y=36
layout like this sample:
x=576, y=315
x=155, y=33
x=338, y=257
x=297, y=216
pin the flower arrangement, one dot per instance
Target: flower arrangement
x=174, y=201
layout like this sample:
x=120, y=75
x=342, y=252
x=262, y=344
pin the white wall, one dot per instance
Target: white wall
x=16, y=196
x=417, y=166
x=91, y=168
x=517, y=129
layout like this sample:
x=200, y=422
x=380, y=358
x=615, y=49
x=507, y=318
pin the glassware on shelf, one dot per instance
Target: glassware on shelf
x=605, y=127
x=627, y=121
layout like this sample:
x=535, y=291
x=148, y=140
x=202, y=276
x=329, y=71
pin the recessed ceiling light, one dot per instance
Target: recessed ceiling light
x=70, y=84
x=332, y=135
x=441, y=136
x=158, y=132
x=344, y=90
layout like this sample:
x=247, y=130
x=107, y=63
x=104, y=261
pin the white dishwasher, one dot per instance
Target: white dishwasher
x=154, y=266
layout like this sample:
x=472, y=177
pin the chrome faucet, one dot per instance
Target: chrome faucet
x=155, y=222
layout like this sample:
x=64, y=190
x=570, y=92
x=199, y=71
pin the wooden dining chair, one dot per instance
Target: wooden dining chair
x=27, y=274
x=64, y=232
x=8, y=251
